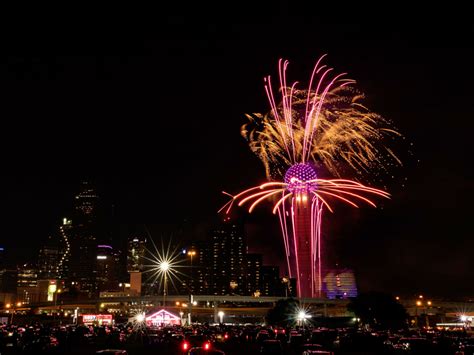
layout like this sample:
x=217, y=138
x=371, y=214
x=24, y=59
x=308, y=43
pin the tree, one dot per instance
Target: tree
x=379, y=310
x=283, y=313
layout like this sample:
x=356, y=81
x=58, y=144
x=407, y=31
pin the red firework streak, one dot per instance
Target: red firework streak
x=301, y=197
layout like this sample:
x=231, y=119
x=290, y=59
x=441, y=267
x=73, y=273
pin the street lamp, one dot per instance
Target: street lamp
x=302, y=316
x=192, y=303
x=286, y=281
x=13, y=308
x=164, y=268
x=221, y=316
x=56, y=302
x=192, y=253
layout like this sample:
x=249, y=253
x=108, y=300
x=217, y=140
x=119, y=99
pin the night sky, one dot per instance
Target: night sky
x=154, y=120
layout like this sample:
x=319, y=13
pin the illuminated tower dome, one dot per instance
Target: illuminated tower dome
x=299, y=178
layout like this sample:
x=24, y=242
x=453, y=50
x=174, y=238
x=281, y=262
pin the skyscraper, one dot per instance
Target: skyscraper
x=83, y=233
x=107, y=263
x=136, y=253
x=27, y=281
x=48, y=260
x=135, y=259
x=83, y=261
x=196, y=279
x=228, y=263
x=271, y=282
x=64, y=248
x=253, y=273
x=202, y=268
x=86, y=204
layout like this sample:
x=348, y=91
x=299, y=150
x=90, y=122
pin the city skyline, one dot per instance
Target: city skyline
x=109, y=104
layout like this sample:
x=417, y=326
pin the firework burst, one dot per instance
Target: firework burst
x=327, y=124
x=323, y=126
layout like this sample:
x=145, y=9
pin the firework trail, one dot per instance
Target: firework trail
x=324, y=126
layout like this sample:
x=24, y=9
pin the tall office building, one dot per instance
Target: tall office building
x=135, y=262
x=253, y=274
x=82, y=233
x=86, y=204
x=135, y=253
x=202, y=268
x=27, y=282
x=228, y=260
x=271, y=282
x=83, y=261
x=196, y=278
x=48, y=260
x=64, y=248
x=107, y=263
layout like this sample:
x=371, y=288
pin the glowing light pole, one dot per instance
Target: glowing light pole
x=301, y=317
x=164, y=267
x=221, y=316
x=192, y=303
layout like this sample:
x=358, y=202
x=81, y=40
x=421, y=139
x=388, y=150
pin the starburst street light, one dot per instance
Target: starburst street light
x=138, y=319
x=302, y=316
x=163, y=266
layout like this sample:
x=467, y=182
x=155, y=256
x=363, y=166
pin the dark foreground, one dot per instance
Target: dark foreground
x=249, y=339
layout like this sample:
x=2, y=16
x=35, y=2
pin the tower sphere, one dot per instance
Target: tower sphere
x=299, y=178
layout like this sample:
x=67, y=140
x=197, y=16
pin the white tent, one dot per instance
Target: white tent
x=161, y=318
